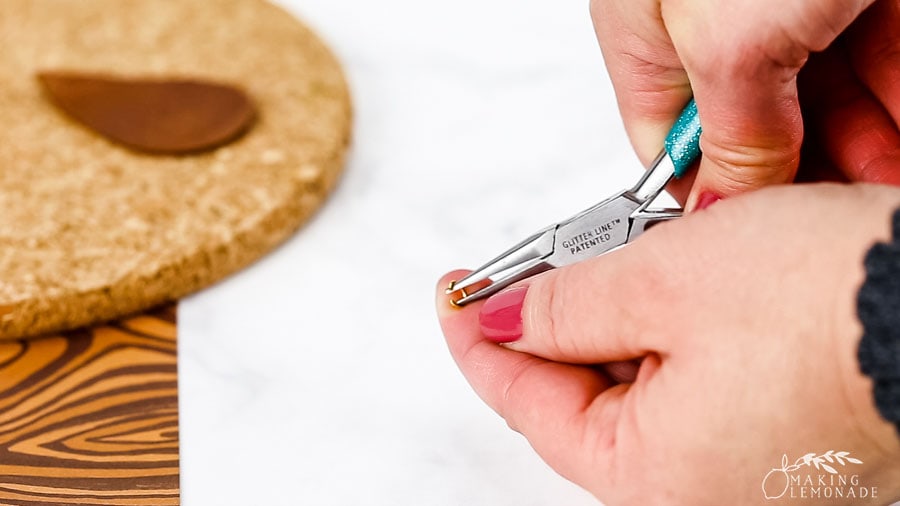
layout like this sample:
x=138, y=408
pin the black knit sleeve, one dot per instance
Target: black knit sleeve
x=878, y=306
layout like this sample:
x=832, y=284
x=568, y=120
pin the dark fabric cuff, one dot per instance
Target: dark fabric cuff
x=878, y=306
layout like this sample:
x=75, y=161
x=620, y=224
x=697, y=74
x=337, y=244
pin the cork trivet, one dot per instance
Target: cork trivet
x=90, y=230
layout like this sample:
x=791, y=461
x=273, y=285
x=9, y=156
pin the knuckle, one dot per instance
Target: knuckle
x=515, y=392
x=640, y=284
x=742, y=52
x=666, y=273
x=741, y=166
x=819, y=23
x=548, y=322
x=554, y=332
x=656, y=281
x=881, y=170
x=740, y=59
x=512, y=393
x=882, y=49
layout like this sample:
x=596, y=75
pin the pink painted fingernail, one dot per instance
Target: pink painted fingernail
x=706, y=199
x=501, y=315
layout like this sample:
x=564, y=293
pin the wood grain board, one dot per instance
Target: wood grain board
x=91, y=417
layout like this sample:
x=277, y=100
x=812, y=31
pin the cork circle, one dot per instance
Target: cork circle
x=90, y=230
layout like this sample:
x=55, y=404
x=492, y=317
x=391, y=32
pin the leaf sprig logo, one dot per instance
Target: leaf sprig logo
x=823, y=478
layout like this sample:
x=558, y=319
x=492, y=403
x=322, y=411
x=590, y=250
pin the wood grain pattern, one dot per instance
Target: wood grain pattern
x=91, y=417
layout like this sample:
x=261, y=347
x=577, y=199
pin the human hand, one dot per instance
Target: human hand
x=741, y=62
x=743, y=319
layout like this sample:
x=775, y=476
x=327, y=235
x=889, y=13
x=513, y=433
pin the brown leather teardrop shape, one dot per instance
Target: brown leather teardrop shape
x=155, y=116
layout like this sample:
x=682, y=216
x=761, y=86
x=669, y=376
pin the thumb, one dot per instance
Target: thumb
x=745, y=84
x=586, y=313
x=752, y=132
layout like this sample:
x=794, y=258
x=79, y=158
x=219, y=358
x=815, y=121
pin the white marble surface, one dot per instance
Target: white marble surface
x=319, y=376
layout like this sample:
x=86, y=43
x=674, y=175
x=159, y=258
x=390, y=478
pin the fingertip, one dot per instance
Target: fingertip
x=451, y=276
x=443, y=296
x=459, y=324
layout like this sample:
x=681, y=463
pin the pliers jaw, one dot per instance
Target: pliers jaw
x=520, y=262
x=651, y=184
x=643, y=219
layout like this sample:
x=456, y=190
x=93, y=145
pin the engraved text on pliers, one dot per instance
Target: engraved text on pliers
x=595, y=237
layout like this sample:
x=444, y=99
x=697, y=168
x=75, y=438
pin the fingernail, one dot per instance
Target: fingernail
x=501, y=315
x=705, y=200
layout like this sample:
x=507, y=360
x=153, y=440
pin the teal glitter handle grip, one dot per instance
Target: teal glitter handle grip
x=683, y=141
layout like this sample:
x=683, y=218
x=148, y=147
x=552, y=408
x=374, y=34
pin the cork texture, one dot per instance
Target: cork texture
x=90, y=231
